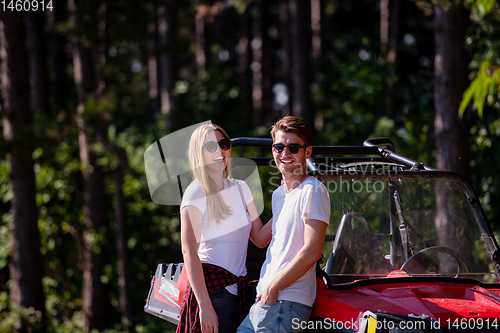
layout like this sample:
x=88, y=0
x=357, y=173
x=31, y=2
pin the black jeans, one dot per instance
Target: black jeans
x=226, y=307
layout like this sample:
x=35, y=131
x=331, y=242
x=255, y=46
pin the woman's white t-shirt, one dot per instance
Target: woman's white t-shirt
x=223, y=244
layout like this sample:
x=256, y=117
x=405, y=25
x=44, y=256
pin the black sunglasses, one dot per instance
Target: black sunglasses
x=293, y=148
x=211, y=146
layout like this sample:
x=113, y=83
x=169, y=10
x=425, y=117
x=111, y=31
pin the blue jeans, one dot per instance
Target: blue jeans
x=226, y=307
x=282, y=316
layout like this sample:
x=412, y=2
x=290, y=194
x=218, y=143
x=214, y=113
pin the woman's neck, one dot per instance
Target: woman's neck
x=218, y=179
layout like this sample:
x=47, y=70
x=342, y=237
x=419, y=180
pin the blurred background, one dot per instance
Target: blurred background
x=88, y=85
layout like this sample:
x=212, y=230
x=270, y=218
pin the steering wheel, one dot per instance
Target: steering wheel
x=462, y=267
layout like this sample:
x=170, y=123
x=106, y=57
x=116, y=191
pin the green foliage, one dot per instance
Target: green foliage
x=14, y=319
x=483, y=6
x=353, y=84
x=485, y=86
x=483, y=42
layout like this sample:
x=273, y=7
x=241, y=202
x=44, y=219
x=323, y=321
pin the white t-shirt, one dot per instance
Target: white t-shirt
x=309, y=200
x=223, y=244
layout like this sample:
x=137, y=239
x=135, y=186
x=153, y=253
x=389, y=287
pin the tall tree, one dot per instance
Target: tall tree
x=154, y=100
x=262, y=96
x=450, y=81
x=121, y=230
x=300, y=42
x=202, y=57
x=285, y=52
x=167, y=64
x=26, y=269
x=57, y=55
x=37, y=60
x=316, y=16
x=389, y=34
x=125, y=301
x=267, y=111
x=95, y=300
x=243, y=68
x=450, y=130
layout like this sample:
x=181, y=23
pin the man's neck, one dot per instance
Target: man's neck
x=293, y=181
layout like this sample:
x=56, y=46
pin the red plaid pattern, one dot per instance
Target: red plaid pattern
x=215, y=278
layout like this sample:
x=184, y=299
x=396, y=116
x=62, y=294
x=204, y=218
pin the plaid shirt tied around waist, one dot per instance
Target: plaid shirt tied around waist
x=215, y=278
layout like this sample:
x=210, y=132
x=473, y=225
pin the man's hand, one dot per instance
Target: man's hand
x=268, y=296
x=209, y=320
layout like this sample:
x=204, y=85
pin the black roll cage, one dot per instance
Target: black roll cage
x=370, y=147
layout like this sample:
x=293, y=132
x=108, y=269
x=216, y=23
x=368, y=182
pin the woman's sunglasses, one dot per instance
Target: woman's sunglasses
x=211, y=146
x=293, y=148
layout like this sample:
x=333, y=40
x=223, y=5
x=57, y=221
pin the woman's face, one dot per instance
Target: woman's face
x=215, y=159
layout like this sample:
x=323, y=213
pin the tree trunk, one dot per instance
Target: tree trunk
x=57, y=55
x=285, y=55
x=121, y=244
x=384, y=25
x=167, y=67
x=300, y=42
x=450, y=80
x=316, y=29
x=244, y=72
x=37, y=61
x=201, y=45
x=154, y=100
x=121, y=234
x=267, y=111
x=450, y=131
x=262, y=96
x=389, y=35
x=27, y=268
x=95, y=301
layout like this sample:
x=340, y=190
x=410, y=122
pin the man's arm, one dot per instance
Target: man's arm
x=309, y=254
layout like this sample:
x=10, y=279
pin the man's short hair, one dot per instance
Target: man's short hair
x=290, y=124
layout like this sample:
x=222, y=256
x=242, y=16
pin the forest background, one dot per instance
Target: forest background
x=88, y=85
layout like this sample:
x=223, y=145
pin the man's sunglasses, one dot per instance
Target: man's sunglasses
x=211, y=146
x=293, y=148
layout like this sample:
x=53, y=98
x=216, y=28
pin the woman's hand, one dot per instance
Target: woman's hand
x=208, y=319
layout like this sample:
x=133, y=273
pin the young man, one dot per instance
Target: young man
x=301, y=214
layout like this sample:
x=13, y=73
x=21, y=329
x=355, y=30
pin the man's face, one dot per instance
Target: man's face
x=287, y=162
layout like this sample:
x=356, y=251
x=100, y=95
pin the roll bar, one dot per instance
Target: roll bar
x=370, y=147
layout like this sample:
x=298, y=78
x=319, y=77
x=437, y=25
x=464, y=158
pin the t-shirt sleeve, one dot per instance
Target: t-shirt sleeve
x=317, y=204
x=247, y=193
x=196, y=196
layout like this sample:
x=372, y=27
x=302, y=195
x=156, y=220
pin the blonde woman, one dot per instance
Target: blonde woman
x=218, y=216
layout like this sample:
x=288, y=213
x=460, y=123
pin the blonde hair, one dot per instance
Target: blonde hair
x=216, y=207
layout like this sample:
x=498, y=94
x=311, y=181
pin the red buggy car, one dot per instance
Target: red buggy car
x=408, y=248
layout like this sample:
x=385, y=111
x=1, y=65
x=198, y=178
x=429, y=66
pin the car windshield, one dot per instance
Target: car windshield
x=405, y=224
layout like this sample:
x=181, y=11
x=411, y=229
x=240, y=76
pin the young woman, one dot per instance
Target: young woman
x=218, y=216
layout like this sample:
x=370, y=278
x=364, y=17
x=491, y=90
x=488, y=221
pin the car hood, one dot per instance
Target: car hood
x=442, y=302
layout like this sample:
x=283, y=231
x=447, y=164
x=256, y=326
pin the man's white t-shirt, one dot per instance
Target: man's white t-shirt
x=224, y=244
x=309, y=200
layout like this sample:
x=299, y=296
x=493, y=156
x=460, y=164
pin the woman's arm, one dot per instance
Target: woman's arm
x=260, y=235
x=191, y=218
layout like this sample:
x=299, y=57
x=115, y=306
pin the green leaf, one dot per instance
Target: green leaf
x=467, y=96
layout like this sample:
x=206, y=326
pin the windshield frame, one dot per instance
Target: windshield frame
x=390, y=172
